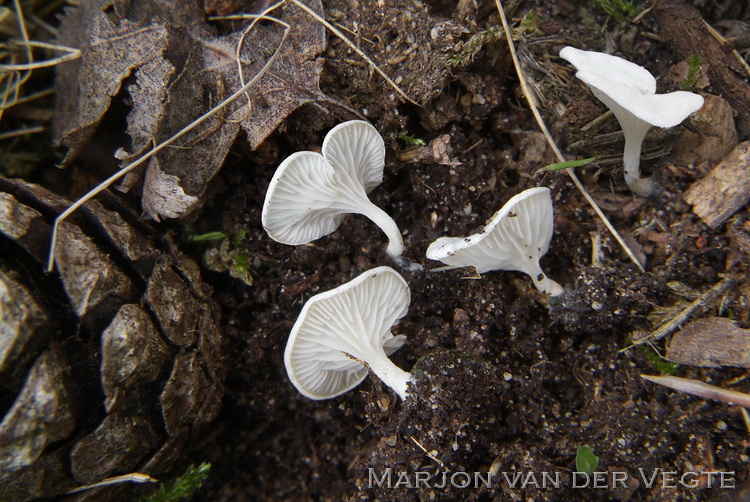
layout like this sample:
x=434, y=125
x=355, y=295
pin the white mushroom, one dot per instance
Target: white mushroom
x=515, y=238
x=310, y=193
x=629, y=91
x=341, y=333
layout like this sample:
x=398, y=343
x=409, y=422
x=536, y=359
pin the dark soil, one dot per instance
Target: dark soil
x=505, y=380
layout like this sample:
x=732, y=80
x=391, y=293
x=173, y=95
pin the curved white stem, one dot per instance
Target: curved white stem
x=390, y=374
x=387, y=225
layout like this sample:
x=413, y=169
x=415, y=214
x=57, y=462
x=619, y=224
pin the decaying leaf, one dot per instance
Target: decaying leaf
x=212, y=71
x=711, y=342
x=109, y=54
x=179, y=72
x=163, y=195
x=148, y=97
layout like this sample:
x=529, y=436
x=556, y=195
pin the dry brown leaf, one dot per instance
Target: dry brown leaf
x=212, y=71
x=149, y=99
x=109, y=54
x=163, y=195
x=181, y=70
x=291, y=81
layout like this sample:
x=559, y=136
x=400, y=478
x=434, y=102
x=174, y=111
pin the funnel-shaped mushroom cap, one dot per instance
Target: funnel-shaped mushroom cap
x=631, y=87
x=342, y=332
x=515, y=238
x=310, y=193
x=629, y=91
x=357, y=148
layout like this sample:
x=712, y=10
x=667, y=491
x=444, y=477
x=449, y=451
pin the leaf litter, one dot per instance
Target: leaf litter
x=179, y=71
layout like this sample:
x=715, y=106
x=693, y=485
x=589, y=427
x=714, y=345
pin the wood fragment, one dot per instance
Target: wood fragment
x=725, y=190
x=683, y=29
x=697, y=306
x=710, y=343
x=709, y=135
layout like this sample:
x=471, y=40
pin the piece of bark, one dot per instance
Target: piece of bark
x=713, y=136
x=23, y=325
x=683, y=29
x=724, y=190
x=710, y=343
x=91, y=396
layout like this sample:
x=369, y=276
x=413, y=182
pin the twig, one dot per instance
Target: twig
x=130, y=167
x=677, y=321
x=725, y=43
x=356, y=49
x=561, y=158
x=701, y=389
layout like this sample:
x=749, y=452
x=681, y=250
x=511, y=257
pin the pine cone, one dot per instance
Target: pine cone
x=110, y=364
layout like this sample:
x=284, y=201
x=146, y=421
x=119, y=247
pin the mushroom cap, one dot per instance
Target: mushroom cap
x=357, y=148
x=310, y=193
x=354, y=319
x=631, y=87
x=518, y=233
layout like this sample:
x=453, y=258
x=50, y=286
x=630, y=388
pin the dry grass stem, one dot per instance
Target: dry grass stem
x=13, y=75
x=70, y=55
x=32, y=97
x=135, y=477
x=681, y=318
x=14, y=79
x=701, y=389
x=22, y=29
x=537, y=115
x=20, y=132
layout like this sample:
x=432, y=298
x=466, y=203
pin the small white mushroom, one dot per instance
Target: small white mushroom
x=310, y=193
x=515, y=238
x=341, y=333
x=629, y=90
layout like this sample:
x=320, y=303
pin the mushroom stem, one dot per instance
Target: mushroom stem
x=390, y=374
x=634, y=129
x=542, y=282
x=631, y=159
x=387, y=225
